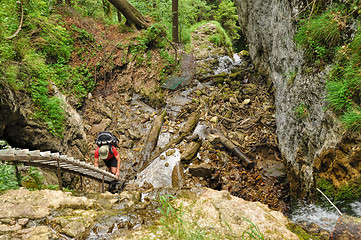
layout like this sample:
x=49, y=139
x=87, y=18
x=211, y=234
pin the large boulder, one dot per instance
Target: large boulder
x=315, y=141
x=218, y=214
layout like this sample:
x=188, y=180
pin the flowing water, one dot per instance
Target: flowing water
x=325, y=217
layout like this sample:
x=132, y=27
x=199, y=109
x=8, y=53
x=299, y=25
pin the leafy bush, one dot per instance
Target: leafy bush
x=7, y=177
x=227, y=16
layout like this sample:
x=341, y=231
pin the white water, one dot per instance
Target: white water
x=325, y=218
x=226, y=64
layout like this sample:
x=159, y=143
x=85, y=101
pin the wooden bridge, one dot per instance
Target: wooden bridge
x=55, y=161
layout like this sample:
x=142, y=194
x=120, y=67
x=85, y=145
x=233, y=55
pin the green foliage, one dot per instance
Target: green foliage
x=7, y=177
x=220, y=37
x=320, y=35
x=190, y=12
x=325, y=39
x=344, y=85
x=33, y=179
x=227, y=16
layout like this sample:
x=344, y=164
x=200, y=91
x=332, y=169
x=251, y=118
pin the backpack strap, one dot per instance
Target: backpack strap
x=110, y=149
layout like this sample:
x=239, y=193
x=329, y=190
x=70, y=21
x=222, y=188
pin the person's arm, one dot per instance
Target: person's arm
x=118, y=165
x=96, y=162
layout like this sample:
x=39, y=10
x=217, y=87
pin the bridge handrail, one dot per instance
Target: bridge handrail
x=47, y=158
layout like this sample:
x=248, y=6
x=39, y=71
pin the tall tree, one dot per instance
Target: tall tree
x=134, y=18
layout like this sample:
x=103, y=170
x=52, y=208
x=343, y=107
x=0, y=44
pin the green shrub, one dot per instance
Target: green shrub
x=227, y=16
x=7, y=177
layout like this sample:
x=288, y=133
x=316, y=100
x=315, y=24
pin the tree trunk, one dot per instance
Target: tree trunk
x=134, y=18
x=175, y=21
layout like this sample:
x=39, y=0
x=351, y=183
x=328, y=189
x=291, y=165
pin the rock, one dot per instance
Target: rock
x=317, y=140
x=23, y=203
x=134, y=134
x=225, y=216
x=35, y=233
x=76, y=222
x=97, y=128
x=347, y=227
x=6, y=228
x=202, y=170
x=23, y=130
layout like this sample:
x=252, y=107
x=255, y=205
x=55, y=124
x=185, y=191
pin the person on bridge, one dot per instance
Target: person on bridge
x=110, y=157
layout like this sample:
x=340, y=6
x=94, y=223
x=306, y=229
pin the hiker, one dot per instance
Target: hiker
x=110, y=157
x=107, y=152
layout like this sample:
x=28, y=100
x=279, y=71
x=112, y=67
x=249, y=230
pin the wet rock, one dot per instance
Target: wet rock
x=202, y=170
x=75, y=223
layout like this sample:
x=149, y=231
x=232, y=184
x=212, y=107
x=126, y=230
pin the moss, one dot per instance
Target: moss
x=300, y=232
x=345, y=193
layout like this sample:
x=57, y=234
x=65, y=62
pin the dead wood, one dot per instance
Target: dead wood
x=190, y=152
x=185, y=131
x=233, y=149
x=191, y=123
x=153, y=135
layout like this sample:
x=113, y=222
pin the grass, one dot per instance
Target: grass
x=325, y=40
x=320, y=35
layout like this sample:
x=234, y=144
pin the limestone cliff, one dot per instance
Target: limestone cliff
x=20, y=129
x=311, y=143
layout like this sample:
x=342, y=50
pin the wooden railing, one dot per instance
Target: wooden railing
x=55, y=161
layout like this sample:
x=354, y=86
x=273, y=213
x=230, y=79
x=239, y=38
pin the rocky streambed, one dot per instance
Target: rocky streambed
x=50, y=214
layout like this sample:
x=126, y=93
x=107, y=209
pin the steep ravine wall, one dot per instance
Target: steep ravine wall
x=20, y=129
x=312, y=144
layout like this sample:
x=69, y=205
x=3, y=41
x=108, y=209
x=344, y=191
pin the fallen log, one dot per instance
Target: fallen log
x=185, y=131
x=152, y=139
x=190, y=152
x=347, y=227
x=233, y=149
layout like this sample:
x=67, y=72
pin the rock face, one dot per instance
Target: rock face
x=19, y=128
x=315, y=141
